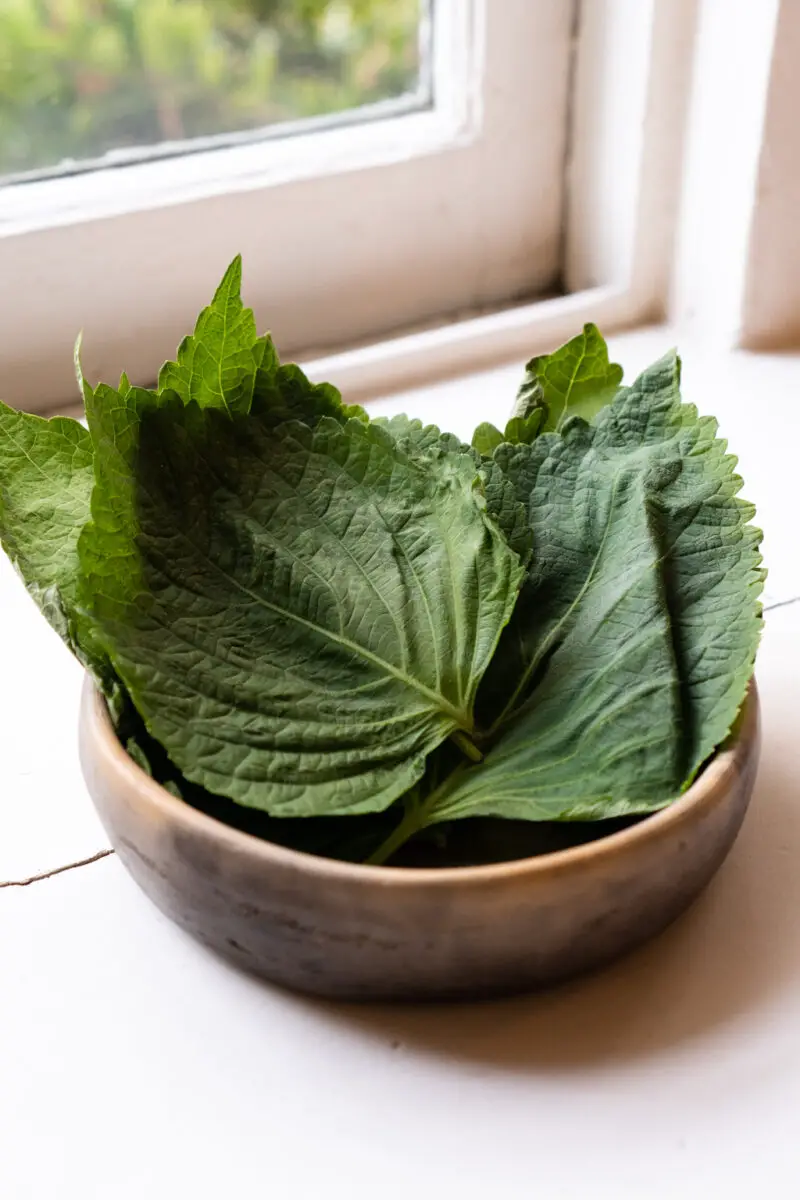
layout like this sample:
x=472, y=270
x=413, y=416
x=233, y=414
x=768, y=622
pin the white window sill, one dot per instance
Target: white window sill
x=115, y=1024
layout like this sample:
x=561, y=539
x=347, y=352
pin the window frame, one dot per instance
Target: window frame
x=348, y=233
x=623, y=205
x=651, y=226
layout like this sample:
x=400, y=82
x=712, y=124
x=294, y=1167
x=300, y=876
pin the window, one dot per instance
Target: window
x=418, y=186
x=448, y=202
x=93, y=83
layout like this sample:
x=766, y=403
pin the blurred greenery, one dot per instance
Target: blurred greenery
x=81, y=77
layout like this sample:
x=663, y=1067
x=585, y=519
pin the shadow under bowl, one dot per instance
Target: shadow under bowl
x=340, y=929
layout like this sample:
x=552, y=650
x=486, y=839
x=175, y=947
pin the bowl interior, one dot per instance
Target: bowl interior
x=475, y=842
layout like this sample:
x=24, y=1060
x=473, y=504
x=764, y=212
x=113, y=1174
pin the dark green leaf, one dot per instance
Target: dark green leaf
x=635, y=633
x=300, y=616
x=284, y=393
x=507, y=511
x=332, y=837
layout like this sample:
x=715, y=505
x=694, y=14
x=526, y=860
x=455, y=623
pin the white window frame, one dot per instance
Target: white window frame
x=737, y=220
x=655, y=210
x=682, y=184
x=347, y=233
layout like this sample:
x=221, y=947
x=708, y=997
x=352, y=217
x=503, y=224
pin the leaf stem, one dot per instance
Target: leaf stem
x=409, y=825
x=466, y=745
x=415, y=819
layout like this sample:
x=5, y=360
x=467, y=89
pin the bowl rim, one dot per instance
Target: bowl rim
x=710, y=784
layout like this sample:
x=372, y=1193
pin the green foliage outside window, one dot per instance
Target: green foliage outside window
x=81, y=77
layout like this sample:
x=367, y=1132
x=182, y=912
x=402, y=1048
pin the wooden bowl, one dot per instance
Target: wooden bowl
x=337, y=929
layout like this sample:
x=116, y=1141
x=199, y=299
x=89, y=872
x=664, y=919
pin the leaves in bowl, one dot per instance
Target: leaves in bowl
x=339, y=633
x=633, y=640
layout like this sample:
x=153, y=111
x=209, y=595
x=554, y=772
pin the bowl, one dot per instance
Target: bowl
x=338, y=929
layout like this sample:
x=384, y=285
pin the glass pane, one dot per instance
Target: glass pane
x=82, y=78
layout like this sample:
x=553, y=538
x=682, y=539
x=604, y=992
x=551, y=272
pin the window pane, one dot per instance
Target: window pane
x=80, y=79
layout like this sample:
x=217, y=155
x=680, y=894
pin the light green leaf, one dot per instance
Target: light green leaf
x=486, y=439
x=300, y=615
x=266, y=355
x=523, y=430
x=83, y=386
x=576, y=380
x=216, y=365
x=635, y=633
x=45, y=484
x=421, y=440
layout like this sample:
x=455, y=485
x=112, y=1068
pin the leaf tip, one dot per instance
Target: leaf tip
x=83, y=386
x=231, y=282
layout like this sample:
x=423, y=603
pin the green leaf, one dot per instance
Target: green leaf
x=486, y=439
x=634, y=637
x=508, y=512
x=523, y=430
x=216, y=366
x=83, y=386
x=45, y=485
x=576, y=380
x=284, y=393
x=135, y=750
x=266, y=356
x=299, y=615
x=332, y=837
x=424, y=442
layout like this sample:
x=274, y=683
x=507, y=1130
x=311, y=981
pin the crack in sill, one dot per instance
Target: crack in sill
x=781, y=604
x=84, y=862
